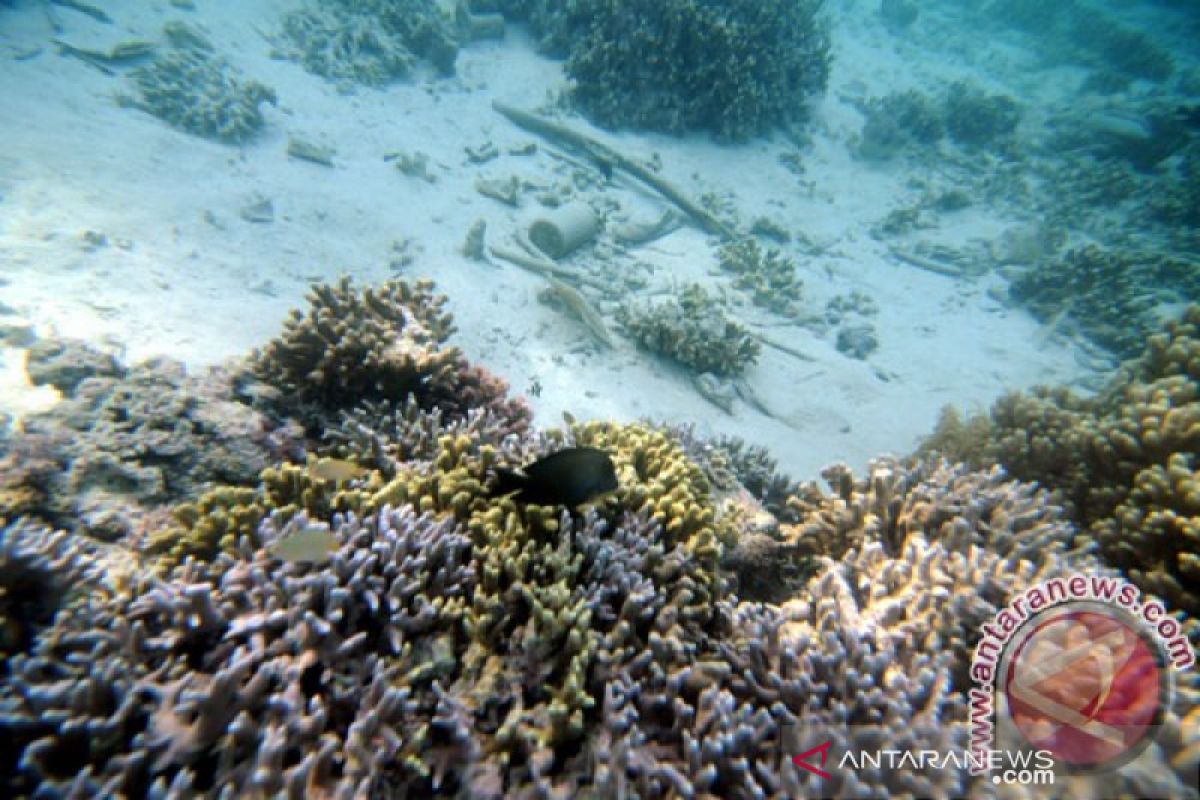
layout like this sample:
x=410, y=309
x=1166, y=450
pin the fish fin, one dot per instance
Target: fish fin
x=508, y=482
x=597, y=501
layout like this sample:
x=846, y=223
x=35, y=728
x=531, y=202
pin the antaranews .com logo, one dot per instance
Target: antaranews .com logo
x=1077, y=667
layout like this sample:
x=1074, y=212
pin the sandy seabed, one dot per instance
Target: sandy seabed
x=181, y=273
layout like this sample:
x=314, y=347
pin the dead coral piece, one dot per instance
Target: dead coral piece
x=126, y=440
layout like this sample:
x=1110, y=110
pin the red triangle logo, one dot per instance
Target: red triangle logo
x=802, y=759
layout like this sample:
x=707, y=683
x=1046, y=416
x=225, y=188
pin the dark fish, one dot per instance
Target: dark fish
x=569, y=477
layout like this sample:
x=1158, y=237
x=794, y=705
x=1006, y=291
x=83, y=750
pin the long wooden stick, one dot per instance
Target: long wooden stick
x=601, y=152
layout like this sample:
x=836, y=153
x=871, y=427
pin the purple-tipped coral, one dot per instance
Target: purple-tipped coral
x=449, y=642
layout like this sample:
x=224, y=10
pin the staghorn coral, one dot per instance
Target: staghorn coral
x=769, y=278
x=200, y=93
x=1124, y=460
x=39, y=570
x=693, y=331
x=736, y=68
x=370, y=43
x=459, y=644
x=1103, y=294
x=435, y=657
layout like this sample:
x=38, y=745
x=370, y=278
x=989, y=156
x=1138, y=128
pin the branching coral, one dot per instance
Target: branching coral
x=458, y=643
x=1103, y=293
x=693, y=331
x=976, y=118
x=1124, y=460
x=200, y=93
x=370, y=43
x=597, y=653
x=898, y=122
x=736, y=67
x=768, y=276
x=376, y=344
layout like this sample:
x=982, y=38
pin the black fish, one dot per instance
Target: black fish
x=569, y=478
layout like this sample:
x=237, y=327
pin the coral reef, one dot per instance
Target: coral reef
x=503, y=651
x=736, y=68
x=201, y=93
x=38, y=570
x=1087, y=34
x=693, y=331
x=767, y=276
x=1103, y=293
x=910, y=122
x=976, y=118
x=375, y=344
x=1176, y=200
x=125, y=440
x=1116, y=47
x=368, y=43
x=899, y=122
x=1124, y=460
x=64, y=363
x=461, y=643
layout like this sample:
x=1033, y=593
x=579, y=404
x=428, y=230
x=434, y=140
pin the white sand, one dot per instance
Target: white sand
x=171, y=281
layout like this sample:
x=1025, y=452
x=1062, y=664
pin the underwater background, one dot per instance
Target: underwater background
x=593, y=398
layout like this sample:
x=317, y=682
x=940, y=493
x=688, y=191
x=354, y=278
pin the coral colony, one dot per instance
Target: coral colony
x=368, y=617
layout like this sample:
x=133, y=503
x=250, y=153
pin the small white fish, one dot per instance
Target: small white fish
x=312, y=545
x=336, y=470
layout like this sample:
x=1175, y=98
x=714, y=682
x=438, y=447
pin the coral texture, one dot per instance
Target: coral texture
x=376, y=344
x=460, y=643
x=550, y=655
x=370, y=43
x=1102, y=293
x=768, y=277
x=125, y=440
x=1125, y=459
x=693, y=331
x=736, y=68
x=201, y=93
